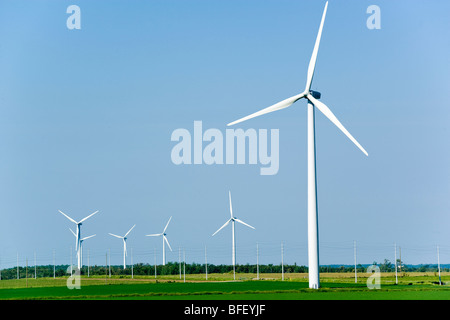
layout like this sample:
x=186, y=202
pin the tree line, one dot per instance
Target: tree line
x=173, y=268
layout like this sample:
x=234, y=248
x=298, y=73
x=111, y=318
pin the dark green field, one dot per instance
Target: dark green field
x=416, y=287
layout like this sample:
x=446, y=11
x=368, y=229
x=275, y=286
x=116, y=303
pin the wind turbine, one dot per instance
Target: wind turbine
x=164, y=239
x=124, y=239
x=78, y=234
x=232, y=219
x=312, y=97
x=81, y=244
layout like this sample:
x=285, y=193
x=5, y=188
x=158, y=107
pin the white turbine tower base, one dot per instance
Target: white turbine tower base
x=164, y=240
x=312, y=97
x=232, y=219
x=124, y=239
x=313, y=228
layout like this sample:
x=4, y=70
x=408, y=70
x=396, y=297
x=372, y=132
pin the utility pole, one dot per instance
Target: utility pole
x=54, y=265
x=282, y=264
x=89, y=263
x=35, y=265
x=396, y=278
x=26, y=272
x=184, y=265
x=18, y=265
x=206, y=265
x=356, y=276
x=439, y=266
x=179, y=259
x=257, y=261
x=132, y=270
x=109, y=264
x=106, y=267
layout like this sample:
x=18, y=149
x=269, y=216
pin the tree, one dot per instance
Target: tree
x=386, y=266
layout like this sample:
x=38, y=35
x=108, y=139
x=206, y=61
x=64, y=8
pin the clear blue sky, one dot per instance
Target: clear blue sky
x=86, y=118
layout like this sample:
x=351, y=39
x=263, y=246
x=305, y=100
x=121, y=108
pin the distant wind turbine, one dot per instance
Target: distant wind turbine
x=232, y=219
x=81, y=246
x=164, y=239
x=78, y=234
x=124, y=239
x=313, y=101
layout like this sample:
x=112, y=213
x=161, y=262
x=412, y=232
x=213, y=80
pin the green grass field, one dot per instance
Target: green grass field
x=416, y=286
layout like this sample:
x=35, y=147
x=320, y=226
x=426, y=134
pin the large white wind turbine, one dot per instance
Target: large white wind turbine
x=164, y=239
x=81, y=244
x=124, y=239
x=312, y=97
x=78, y=234
x=232, y=219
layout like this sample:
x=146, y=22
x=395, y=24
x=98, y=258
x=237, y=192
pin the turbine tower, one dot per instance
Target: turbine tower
x=164, y=239
x=81, y=245
x=124, y=239
x=232, y=219
x=78, y=234
x=312, y=97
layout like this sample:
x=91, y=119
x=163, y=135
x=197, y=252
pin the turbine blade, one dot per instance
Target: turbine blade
x=278, y=106
x=231, y=207
x=88, y=216
x=68, y=217
x=167, y=241
x=129, y=231
x=327, y=112
x=76, y=239
x=153, y=235
x=225, y=224
x=114, y=235
x=167, y=224
x=240, y=221
x=312, y=62
x=88, y=237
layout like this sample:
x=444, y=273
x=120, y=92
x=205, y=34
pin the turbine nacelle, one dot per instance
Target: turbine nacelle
x=315, y=94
